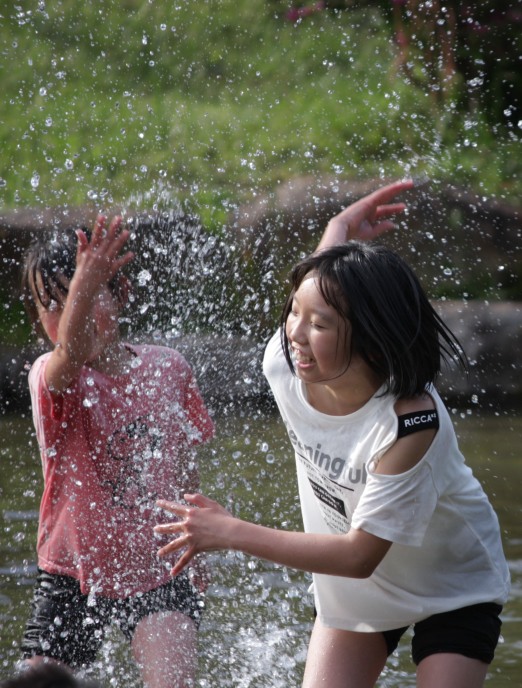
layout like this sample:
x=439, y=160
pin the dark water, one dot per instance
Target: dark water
x=258, y=615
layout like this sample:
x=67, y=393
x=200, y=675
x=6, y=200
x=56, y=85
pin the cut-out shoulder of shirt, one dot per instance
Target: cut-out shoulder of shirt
x=406, y=452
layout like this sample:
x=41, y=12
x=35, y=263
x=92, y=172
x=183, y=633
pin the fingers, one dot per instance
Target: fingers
x=389, y=209
x=83, y=242
x=200, y=501
x=196, y=499
x=378, y=202
x=173, y=546
x=98, y=231
x=111, y=239
x=387, y=193
x=121, y=261
x=199, y=529
x=179, y=528
x=173, y=529
x=106, y=244
x=182, y=562
x=169, y=528
x=172, y=507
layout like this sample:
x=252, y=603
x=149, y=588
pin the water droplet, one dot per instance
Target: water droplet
x=35, y=180
x=144, y=277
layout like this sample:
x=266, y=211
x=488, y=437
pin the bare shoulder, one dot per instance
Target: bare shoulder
x=416, y=404
x=408, y=450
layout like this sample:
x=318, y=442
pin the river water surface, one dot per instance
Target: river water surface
x=259, y=616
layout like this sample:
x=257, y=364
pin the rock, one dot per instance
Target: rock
x=453, y=238
x=229, y=367
x=14, y=368
x=491, y=335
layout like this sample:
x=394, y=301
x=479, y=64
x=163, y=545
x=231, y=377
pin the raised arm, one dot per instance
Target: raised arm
x=97, y=262
x=366, y=218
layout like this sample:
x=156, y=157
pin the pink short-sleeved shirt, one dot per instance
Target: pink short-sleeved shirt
x=109, y=448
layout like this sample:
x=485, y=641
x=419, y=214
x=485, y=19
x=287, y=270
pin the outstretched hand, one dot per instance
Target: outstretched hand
x=201, y=528
x=100, y=258
x=367, y=218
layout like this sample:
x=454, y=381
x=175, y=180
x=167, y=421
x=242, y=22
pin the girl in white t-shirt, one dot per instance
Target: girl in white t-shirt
x=398, y=532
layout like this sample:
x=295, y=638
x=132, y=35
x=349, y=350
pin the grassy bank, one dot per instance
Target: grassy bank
x=137, y=102
x=105, y=100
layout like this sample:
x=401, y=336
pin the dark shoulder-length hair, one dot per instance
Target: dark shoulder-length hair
x=394, y=328
x=52, y=257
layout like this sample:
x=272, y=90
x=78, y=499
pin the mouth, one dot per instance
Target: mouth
x=300, y=359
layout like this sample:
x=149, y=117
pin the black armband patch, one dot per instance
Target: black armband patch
x=419, y=420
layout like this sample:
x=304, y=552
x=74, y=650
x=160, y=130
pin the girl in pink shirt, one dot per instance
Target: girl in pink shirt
x=117, y=425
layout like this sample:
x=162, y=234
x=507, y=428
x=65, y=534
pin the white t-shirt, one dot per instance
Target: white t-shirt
x=446, y=551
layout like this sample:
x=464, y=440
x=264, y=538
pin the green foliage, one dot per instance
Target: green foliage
x=221, y=99
x=15, y=329
x=136, y=103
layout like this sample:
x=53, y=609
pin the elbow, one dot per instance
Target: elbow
x=364, y=553
x=361, y=564
x=362, y=569
x=356, y=568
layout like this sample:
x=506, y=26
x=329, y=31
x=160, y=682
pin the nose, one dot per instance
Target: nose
x=295, y=329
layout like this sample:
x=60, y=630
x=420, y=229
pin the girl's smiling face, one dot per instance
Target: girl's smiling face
x=318, y=336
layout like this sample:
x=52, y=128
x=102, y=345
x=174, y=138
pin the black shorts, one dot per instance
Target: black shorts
x=471, y=631
x=69, y=626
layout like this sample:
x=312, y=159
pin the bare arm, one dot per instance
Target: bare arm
x=208, y=526
x=366, y=218
x=204, y=525
x=97, y=262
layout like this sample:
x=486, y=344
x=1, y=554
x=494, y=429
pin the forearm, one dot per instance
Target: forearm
x=336, y=555
x=75, y=338
x=76, y=333
x=336, y=232
x=207, y=526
